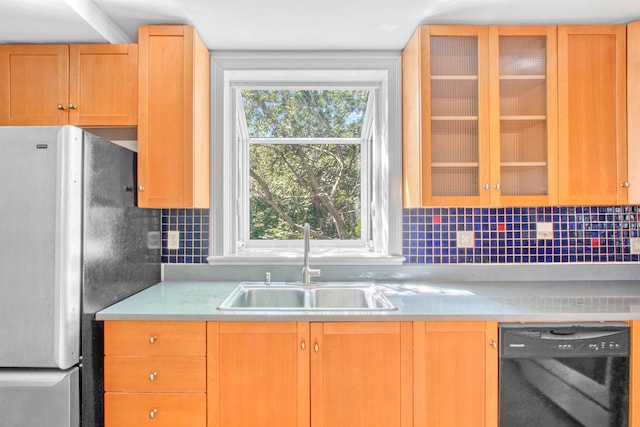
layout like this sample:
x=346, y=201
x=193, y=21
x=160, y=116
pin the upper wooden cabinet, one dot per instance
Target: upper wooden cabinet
x=86, y=85
x=523, y=115
x=592, y=103
x=103, y=84
x=173, y=121
x=455, y=374
x=445, y=116
x=480, y=116
x=633, y=112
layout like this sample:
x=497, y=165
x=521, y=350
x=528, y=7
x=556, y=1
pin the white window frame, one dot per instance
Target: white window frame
x=244, y=143
x=377, y=71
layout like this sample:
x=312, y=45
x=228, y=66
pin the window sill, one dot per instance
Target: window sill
x=318, y=256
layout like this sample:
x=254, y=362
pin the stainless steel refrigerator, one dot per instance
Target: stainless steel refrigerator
x=71, y=243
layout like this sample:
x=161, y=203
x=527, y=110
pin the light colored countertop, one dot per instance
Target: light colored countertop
x=597, y=300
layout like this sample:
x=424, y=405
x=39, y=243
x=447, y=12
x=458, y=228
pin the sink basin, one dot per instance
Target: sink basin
x=264, y=297
x=347, y=297
x=296, y=296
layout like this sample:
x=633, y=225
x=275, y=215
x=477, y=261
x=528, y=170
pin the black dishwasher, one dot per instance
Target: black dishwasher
x=564, y=374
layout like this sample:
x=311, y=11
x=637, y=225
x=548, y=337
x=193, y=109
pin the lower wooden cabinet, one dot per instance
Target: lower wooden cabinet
x=361, y=374
x=155, y=374
x=455, y=374
x=258, y=374
x=155, y=409
x=301, y=374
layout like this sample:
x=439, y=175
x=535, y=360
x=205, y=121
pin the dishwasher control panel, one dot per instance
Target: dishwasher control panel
x=564, y=339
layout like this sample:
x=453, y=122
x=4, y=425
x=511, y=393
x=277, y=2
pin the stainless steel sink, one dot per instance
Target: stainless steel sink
x=296, y=296
x=348, y=297
x=266, y=298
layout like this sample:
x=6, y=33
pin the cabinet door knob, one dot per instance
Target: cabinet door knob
x=152, y=376
x=60, y=107
x=625, y=184
x=152, y=339
x=153, y=413
x=316, y=347
x=498, y=186
x=486, y=186
x=303, y=345
x=141, y=188
x=71, y=106
x=493, y=344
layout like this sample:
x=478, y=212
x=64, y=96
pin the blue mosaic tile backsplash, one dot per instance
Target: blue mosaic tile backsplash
x=520, y=235
x=193, y=225
x=501, y=235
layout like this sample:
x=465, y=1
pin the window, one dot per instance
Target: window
x=306, y=138
x=308, y=157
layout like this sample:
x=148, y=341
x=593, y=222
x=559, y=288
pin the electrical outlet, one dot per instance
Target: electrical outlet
x=544, y=230
x=464, y=239
x=173, y=239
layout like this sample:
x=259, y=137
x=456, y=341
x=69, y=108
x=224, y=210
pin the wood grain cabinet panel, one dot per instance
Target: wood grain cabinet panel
x=361, y=374
x=633, y=112
x=151, y=338
x=91, y=85
x=155, y=373
x=155, y=410
x=103, y=84
x=173, y=121
x=592, y=102
x=258, y=374
x=34, y=82
x=455, y=374
x=300, y=374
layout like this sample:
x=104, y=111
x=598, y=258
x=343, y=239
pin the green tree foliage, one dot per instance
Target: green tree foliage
x=291, y=184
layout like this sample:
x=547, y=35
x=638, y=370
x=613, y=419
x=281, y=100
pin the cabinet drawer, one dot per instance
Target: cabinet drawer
x=137, y=338
x=157, y=410
x=155, y=374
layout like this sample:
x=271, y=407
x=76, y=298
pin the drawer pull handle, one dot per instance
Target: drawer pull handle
x=152, y=376
x=153, y=339
x=153, y=413
x=493, y=344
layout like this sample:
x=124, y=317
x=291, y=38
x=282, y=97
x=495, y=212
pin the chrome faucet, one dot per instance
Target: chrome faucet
x=307, y=272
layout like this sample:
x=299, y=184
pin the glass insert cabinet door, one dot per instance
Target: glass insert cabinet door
x=457, y=116
x=492, y=117
x=523, y=92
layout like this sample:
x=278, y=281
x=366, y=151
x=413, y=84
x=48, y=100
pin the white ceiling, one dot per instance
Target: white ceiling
x=287, y=24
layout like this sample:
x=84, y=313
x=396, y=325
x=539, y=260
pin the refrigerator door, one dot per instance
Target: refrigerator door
x=40, y=255
x=39, y=398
